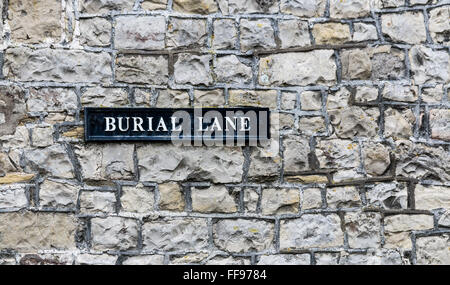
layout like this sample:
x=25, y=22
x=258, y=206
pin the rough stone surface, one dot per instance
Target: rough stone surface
x=259, y=98
x=57, y=65
x=400, y=93
x=363, y=230
x=319, y=231
x=433, y=250
x=195, y=6
x=140, y=32
x=231, y=70
x=398, y=124
x=243, y=235
x=35, y=21
x=331, y=33
x=309, y=8
x=296, y=151
x=114, y=233
x=316, y=67
x=387, y=196
x=171, y=197
x=53, y=160
x=343, y=197
x=439, y=124
x=213, y=199
x=285, y=259
x=142, y=69
x=432, y=197
x=104, y=97
x=393, y=26
x=193, y=69
x=57, y=194
x=280, y=201
x=61, y=235
x=95, y=32
x=225, y=34
x=13, y=198
x=439, y=25
x=349, y=9
x=160, y=163
x=97, y=202
x=137, y=199
x=293, y=33
x=257, y=34
x=12, y=108
x=355, y=122
x=175, y=234
x=428, y=65
x=376, y=158
x=185, y=33
x=105, y=6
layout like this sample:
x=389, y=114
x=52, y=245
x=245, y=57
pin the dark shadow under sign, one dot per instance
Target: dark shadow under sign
x=249, y=125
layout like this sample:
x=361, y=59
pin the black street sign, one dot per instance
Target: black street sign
x=185, y=124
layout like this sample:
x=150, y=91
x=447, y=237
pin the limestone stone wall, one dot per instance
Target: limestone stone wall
x=359, y=173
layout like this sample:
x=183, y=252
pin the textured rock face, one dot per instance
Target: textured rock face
x=160, y=163
x=61, y=235
x=140, y=33
x=316, y=67
x=311, y=231
x=142, y=69
x=25, y=64
x=356, y=171
x=243, y=235
x=35, y=22
x=175, y=235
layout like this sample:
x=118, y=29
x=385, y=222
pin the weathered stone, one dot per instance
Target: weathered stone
x=296, y=150
x=349, y=9
x=242, y=235
x=52, y=100
x=251, y=198
x=398, y=227
x=46, y=259
x=388, y=196
x=280, y=201
x=265, y=162
x=215, y=199
x=400, y=93
x=439, y=124
x=398, y=124
x=97, y=202
x=103, y=162
x=53, y=160
x=232, y=7
x=35, y=21
x=347, y=175
x=95, y=259
x=225, y=34
x=376, y=158
x=142, y=69
x=137, y=199
x=144, y=260
x=331, y=33
x=219, y=260
x=338, y=99
x=193, y=69
x=433, y=250
x=258, y=98
x=172, y=99
x=391, y=3
x=229, y=69
x=428, y=66
x=161, y=162
x=326, y=258
x=365, y=94
x=186, y=234
x=422, y=162
x=195, y=6
x=312, y=125
x=432, y=94
x=343, y=197
x=13, y=198
x=432, y=197
x=363, y=229
x=31, y=231
x=95, y=32
x=337, y=153
x=380, y=256
x=321, y=231
x=311, y=100
x=114, y=233
x=58, y=194
x=105, y=6
x=288, y=100
x=356, y=64
x=285, y=259
x=146, y=32
x=355, y=122
x=439, y=25
x=12, y=108
x=388, y=64
x=302, y=68
x=444, y=220
x=143, y=97
x=214, y=98
x=301, y=8
x=15, y=177
x=6, y=164
x=256, y=34
x=293, y=33
x=171, y=197
x=364, y=32
x=394, y=28
x=104, y=97
x=311, y=199
x=189, y=259
x=186, y=33
x=42, y=136
x=58, y=65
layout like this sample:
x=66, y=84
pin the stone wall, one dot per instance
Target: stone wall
x=359, y=174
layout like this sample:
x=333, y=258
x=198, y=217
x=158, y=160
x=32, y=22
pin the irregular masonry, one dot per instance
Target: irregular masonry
x=357, y=171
